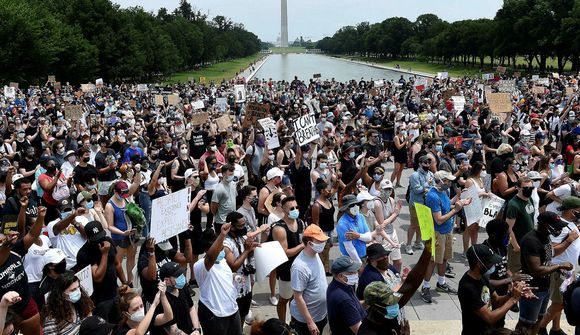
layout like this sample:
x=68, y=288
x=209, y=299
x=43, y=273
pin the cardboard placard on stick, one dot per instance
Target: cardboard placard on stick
x=73, y=112
x=499, y=102
x=501, y=69
x=270, y=132
x=223, y=122
x=199, y=118
x=254, y=112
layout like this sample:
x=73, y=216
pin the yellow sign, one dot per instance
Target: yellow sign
x=202, y=80
x=426, y=225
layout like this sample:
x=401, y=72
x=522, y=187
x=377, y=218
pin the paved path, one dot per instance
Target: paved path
x=382, y=66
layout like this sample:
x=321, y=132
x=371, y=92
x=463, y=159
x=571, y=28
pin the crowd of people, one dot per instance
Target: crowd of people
x=76, y=192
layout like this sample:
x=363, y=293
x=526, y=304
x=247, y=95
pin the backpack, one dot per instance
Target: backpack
x=61, y=191
x=567, y=299
x=136, y=215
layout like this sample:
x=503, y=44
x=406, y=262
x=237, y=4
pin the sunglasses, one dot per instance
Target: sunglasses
x=427, y=161
x=292, y=208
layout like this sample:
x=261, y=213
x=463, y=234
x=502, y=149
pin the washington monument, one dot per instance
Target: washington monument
x=284, y=31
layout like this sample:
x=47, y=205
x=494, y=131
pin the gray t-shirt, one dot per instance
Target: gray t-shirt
x=257, y=158
x=307, y=276
x=250, y=216
x=225, y=196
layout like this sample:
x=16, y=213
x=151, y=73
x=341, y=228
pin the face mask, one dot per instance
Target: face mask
x=60, y=151
x=525, y=158
x=180, y=281
x=483, y=174
x=183, y=151
x=552, y=166
x=51, y=169
x=516, y=167
x=220, y=256
x=168, y=146
x=135, y=143
x=74, y=296
x=317, y=247
x=536, y=184
x=64, y=215
x=242, y=231
x=213, y=148
x=425, y=167
x=71, y=159
x=138, y=316
x=354, y=210
x=112, y=133
x=352, y=279
x=60, y=268
x=378, y=177
x=351, y=155
x=20, y=136
x=392, y=311
x=478, y=147
x=554, y=232
x=260, y=141
x=387, y=193
x=438, y=148
x=271, y=157
x=293, y=214
x=489, y=271
x=444, y=187
x=404, y=132
x=230, y=178
x=231, y=159
x=323, y=166
x=527, y=191
x=86, y=159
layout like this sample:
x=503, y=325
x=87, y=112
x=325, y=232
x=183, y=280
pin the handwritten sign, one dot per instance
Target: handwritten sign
x=305, y=130
x=426, y=225
x=379, y=83
x=535, y=77
x=487, y=76
x=501, y=69
x=13, y=84
x=456, y=141
x=222, y=104
x=9, y=92
x=51, y=79
x=544, y=81
x=169, y=215
x=499, y=102
x=517, y=74
x=199, y=118
x=458, y=103
x=142, y=87
x=317, y=75
x=270, y=132
x=254, y=112
x=507, y=86
x=198, y=104
x=442, y=75
x=57, y=85
x=491, y=206
x=88, y=88
x=473, y=210
x=556, y=75
x=223, y=122
x=569, y=91
x=538, y=89
x=202, y=80
x=173, y=100
x=99, y=82
x=73, y=112
x=159, y=100
x=85, y=277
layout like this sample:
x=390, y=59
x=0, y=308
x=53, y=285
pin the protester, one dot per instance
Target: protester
x=520, y=221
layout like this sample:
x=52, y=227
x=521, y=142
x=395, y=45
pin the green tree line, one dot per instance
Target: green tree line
x=535, y=30
x=80, y=40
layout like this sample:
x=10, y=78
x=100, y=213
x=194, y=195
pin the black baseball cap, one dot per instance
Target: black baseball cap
x=95, y=232
x=170, y=269
x=94, y=325
x=376, y=251
x=483, y=254
x=551, y=219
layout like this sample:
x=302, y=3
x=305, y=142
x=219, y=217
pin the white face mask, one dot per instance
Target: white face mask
x=354, y=210
x=317, y=247
x=138, y=315
x=370, y=204
x=183, y=151
x=536, y=184
x=352, y=279
x=483, y=174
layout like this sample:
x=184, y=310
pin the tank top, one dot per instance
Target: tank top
x=373, y=190
x=387, y=211
x=119, y=221
x=516, y=135
x=510, y=185
x=177, y=185
x=292, y=239
x=211, y=182
x=326, y=217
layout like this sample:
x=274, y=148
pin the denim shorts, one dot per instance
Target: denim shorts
x=533, y=310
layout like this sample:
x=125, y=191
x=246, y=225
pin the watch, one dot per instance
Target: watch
x=197, y=330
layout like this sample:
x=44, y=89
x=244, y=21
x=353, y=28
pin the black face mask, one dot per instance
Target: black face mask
x=425, y=167
x=231, y=159
x=553, y=231
x=51, y=169
x=241, y=232
x=527, y=191
x=60, y=268
x=86, y=159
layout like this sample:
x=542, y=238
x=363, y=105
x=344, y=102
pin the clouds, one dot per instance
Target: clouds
x=315, y=19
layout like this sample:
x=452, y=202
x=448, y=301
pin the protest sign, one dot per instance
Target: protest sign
x=538, y=89
x=199, y=118
x=517, y=74
x=499, y=102
x=240, y=93
x=426, y=225
x=569, y=91
x=268, y=257
x=159, y=100
x=9, y=92
x=85, y=277
x=51, y=79
x=535, y=77
x=501, y=69
x=223, y=122
x=57, y=85
x=222, y=104
x=457, y=141
x=423, y=117
x=202, y=80
x=173, y=100
x=88, y=88
x=198, y=104
x=270, y=132
x=544, y=81
x=379, y=83
x=421, y=83
x=487, y=76
x=142, y=87
x=507, y=86
x=73, y=112
x=458, y=103
x=473, y=210
x=317, y=75
x=442, y=75
x=480, y=91
x=448, y=94
x=305, y=130
x=254, y=112
x=13, y=84
x=169, y=215
x=491, y=206
x=556, y=75
x=99, y=83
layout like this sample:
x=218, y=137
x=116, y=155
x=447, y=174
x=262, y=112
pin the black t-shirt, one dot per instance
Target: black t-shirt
x=348, y=169
x=102, y=160
x=12, y=209
x=387, y=327
x=13, y=277
x=83, y=175
x=473, y=294
x=161, y=257
x=492, y=141
x=180, y=306
x=90, y=254
x=28, y=166
x=538, y=245
x=197, y=143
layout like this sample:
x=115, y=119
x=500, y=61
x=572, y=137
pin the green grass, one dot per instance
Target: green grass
x=289, y=50
x=216, y=72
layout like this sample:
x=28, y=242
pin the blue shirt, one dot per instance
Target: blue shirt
x=370, y=274
x=357, y=224
x=344, y=309
x=130, y=152
x=440, y=202
x=418, y=185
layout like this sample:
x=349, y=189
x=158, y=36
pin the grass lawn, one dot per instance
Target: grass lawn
x=216, y=72
x=289, y=50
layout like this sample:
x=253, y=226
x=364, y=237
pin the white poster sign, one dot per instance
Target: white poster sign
x=535, y=77
x=268, y=257
x=305, y=130
x=198, y=104
x=142, y=87
x=544, y=81
x=169, y=215
x=458, y=103
x=85, y=277
x=508, y=86
x=487, y=76
x=491, y=207
x=222, y=104
x=99, y=82
x=240, y=93
x=270, y=132
x=473, y=210
x=9, y=92
x=442, y=75
x=379, y=83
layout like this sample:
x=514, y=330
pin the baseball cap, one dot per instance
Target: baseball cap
x=84, y=196
x=364, y=196
x=534, y=175
x=551, y=219
x=344, y=264
x=170, y=269
x=569, y=203
x=380, y=294
x=440, y=175
x=482, y=253
x=94, y=325
x=53, y=256
x=95, y=232
x=385, y=183
x=188, y=173
x=376, y=251
x=315, y=232
x=540, y=135
x=273, y=173
x=69, y=153
x=122, y=189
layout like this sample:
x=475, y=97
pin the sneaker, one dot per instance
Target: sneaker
x=409, y=249
x=426, y=295
x=273, y=301
x=255, y=304
x=249, y=318
x=419, y=245
x=445, y=288
x=449, y=272
x=556, y=332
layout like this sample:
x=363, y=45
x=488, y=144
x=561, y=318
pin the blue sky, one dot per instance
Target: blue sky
x=315, y=19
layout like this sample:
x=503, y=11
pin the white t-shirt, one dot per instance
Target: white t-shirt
x=216, y=286
x=33, y=262
x=561, y=192
x=69, y=241
x=273, y=218
x=242, y=283
x=571, y=253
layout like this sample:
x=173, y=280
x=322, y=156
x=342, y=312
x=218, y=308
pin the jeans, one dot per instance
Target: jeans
x=532, y=310
x=145, y=203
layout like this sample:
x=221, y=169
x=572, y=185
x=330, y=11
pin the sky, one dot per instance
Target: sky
x=316, y=19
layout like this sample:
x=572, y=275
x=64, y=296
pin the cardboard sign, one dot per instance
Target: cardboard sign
x=199, y=118
x=9, y=92
x=507, y=86
x=73, y=112
x=426, y=225
x=501, y=69
x=270, y=132
x=254, y=112
x=538, y=89
x=317, y=75
x=379, y=83
x=88, y=88
x=222, y=104
x=491, y=206
x=268, y=257
x=202, y=80
x=569, y=91
x=85, y=277
x=159, y=100
x=13, y=84
x=142, y=87
x=198, y=104
x=223, y=122
x=305, y=130
x=57, y=85
x=52, y=79
x=170, y=215
x=517, y=74
x=240, y=93
x=458, y=103
x=556, y=75
x=173, y=100
x=499, y=102
x=442, y=75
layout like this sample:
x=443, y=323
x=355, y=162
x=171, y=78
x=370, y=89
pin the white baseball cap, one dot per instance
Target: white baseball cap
x=273, y=173
x=53, y=256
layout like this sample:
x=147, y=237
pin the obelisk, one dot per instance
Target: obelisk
x=284, y=32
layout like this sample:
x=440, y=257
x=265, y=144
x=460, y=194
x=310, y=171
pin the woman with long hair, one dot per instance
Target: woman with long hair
x=66, y=307
x=475, y=179
x=545, y=169
x=323, y=216
x=134, y=320
x=402, y=143
x=504, y=185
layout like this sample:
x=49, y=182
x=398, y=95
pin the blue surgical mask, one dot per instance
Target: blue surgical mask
x=74, y=296
x=230, y=178
x=180, y=282
x=489, y=271
x=293, y=214
x=439, y=148
x=351, y=155
x=392, y=311
x=64, y=215
x=323, y=166
x=220, y=256
x=378, y=177
x=90, y=204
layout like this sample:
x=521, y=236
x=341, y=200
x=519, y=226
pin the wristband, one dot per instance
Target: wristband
x=197, y=330
x=151, y=253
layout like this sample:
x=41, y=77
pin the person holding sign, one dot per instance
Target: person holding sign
x=134, y=319
x=437, y=199
x=475, y=180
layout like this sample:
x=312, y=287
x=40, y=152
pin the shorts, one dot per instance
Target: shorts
x=414, y=220
x=555, y=281
x=395, y=253
x=444, y=248
x=104, y=187
x=533, y=310
x=285, y=289
x=124, y=243
x=514, y=260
